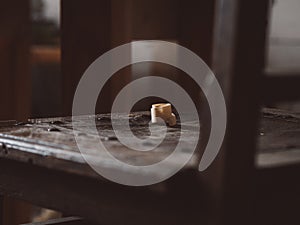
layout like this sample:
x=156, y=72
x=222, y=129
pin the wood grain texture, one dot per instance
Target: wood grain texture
x=40, y=163
x=51, y=143
x=53, y=139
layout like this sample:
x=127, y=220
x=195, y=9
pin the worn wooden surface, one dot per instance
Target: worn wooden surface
x=62, y=221
x=40, y=163
x=50, y=142
x=279, y=139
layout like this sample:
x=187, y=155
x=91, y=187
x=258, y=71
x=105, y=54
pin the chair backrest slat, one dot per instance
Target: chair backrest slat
x=238, y=61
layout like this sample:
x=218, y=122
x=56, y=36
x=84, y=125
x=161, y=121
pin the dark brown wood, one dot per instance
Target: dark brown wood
x=14, y=60
x=281, y=88
x=195, y=32
x=277, y=186
x=89, y=29
x=86, y=34
x=98, y=201
x=1, y=209
x=15, y=211
x=15, y=80
x=36, y=140
x=238, y=63
x=64, y=189
x=195, y=27
x=61, y=190
x=280, y=130
x=277, y=195
x=43, y=166
x=55, y=137
x=121, y=33
x=40, y=162
x=155, y=19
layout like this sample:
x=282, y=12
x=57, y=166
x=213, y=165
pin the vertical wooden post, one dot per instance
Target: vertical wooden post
x=15, y=83
x=1, y=209
x=85, y=29
x=14, y=60
x=89, y=29
x=155, y=19
x=121, y=33
x=195, y=30
x=239, y=50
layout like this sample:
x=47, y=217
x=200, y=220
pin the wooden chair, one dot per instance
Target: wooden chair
x=239, y=187
x=239, y=48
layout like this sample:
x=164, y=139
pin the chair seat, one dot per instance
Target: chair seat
x=50, y=142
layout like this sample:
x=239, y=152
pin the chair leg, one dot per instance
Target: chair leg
x=1, y=209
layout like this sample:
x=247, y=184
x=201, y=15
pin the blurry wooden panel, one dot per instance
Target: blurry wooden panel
x=196, y=27
x=14, y=60
x=121, y=33
x=45, y=54
x=16, y=211
x=189, y=22
x=155, y=19
x=5, y=79
x=1, y=208
x=15, y=82
x=238, y=61
x=281, y=88
x=195, y=32
x=85, y=36
x=89, y=29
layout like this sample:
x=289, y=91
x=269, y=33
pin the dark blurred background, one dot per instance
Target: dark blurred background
x=33, y=84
